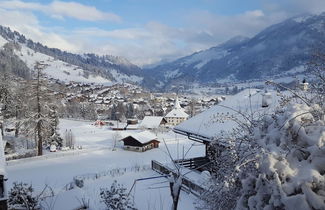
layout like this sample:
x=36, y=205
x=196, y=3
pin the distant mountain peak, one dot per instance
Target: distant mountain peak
x=277, y=51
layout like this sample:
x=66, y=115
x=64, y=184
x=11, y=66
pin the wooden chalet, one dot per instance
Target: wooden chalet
x=140, y=142
x=212, y=124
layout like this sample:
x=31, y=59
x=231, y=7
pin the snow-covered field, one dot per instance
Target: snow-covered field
x=58, y=169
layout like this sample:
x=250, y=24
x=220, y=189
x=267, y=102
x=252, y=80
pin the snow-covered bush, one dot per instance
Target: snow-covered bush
x=116, y=198
x=292, y=165
x=233, y=157
x=274, y=162
x=21, y=195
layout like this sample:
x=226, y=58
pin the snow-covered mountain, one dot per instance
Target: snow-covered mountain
x=281, y=49
x=65, y=66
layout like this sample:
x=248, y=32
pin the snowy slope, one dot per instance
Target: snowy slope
x=121, y=78
x=66, y=66
x=57, y=69
x=2, y=41
x=283, y=48
x=202, y=58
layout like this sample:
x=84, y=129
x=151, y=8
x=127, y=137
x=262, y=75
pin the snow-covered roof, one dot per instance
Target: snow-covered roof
x=2, y=157
x=177, y=111
x=143, y=136
x=209, y=124
x=151, y=122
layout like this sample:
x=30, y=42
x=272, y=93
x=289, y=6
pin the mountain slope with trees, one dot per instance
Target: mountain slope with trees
x=112, y=68
x=281, y=49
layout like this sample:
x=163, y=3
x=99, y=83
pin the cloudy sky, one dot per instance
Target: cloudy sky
x=146, y=31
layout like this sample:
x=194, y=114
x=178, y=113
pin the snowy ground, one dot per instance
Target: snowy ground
x=58, y=169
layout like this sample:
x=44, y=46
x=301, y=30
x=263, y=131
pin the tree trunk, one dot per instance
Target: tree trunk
x=40, y=141
x=17, y=124
x=39, y=126
x=1, y=128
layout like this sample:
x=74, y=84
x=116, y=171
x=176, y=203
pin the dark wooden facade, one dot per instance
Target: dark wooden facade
x=130, y=143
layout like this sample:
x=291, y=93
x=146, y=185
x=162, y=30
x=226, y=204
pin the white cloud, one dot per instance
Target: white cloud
x=60, y=9
x=151, y=42
x=28, y=24
x=81, y=12
x=294, y=7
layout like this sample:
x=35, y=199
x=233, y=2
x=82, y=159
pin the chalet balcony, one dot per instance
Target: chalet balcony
x=197, y=163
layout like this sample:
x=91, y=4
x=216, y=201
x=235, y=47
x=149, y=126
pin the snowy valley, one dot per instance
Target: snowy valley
x=240, y=125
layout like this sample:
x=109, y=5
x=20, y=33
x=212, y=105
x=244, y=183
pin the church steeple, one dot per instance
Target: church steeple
x=177, y=104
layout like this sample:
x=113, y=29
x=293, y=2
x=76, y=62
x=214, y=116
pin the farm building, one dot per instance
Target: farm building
x=140, y=142
x=152, y=122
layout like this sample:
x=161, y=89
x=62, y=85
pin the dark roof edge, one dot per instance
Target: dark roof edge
x=193, y=136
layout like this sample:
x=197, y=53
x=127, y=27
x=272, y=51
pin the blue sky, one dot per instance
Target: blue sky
x=146, y=31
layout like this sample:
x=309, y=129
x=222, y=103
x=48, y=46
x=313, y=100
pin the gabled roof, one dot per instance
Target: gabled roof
x=151, y=122
x=142, y=137
x=177, y=111
x=209, y=124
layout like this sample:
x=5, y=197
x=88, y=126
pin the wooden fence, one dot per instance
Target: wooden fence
x=187, y=184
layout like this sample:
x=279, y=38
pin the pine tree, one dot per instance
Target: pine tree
x=41, y=120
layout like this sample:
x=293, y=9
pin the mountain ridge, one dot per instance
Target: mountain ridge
x=276, y=50
x=106, y=66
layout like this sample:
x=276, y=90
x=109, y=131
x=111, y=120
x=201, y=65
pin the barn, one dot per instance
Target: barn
x=140, y=142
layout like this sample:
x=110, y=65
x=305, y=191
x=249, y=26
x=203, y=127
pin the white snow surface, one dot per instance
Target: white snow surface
x=212, y=122
x=2, y=41
x=121, y=78
x=292, y=164
x=172, y=74
x=204, y=57
x=302, y=19
x=66, y=72
x=57, y=69
x=151, y=122
x=97, y=157
x=143, y=136
x=177, y=111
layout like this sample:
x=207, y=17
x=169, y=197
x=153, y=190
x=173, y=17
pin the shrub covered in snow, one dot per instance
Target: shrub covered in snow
x=22, y=195
x=292, y=164
x=116, y=198
x=278, y=162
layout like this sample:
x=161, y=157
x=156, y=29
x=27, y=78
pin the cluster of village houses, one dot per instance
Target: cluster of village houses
x=103, y=98
x=200, y=128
